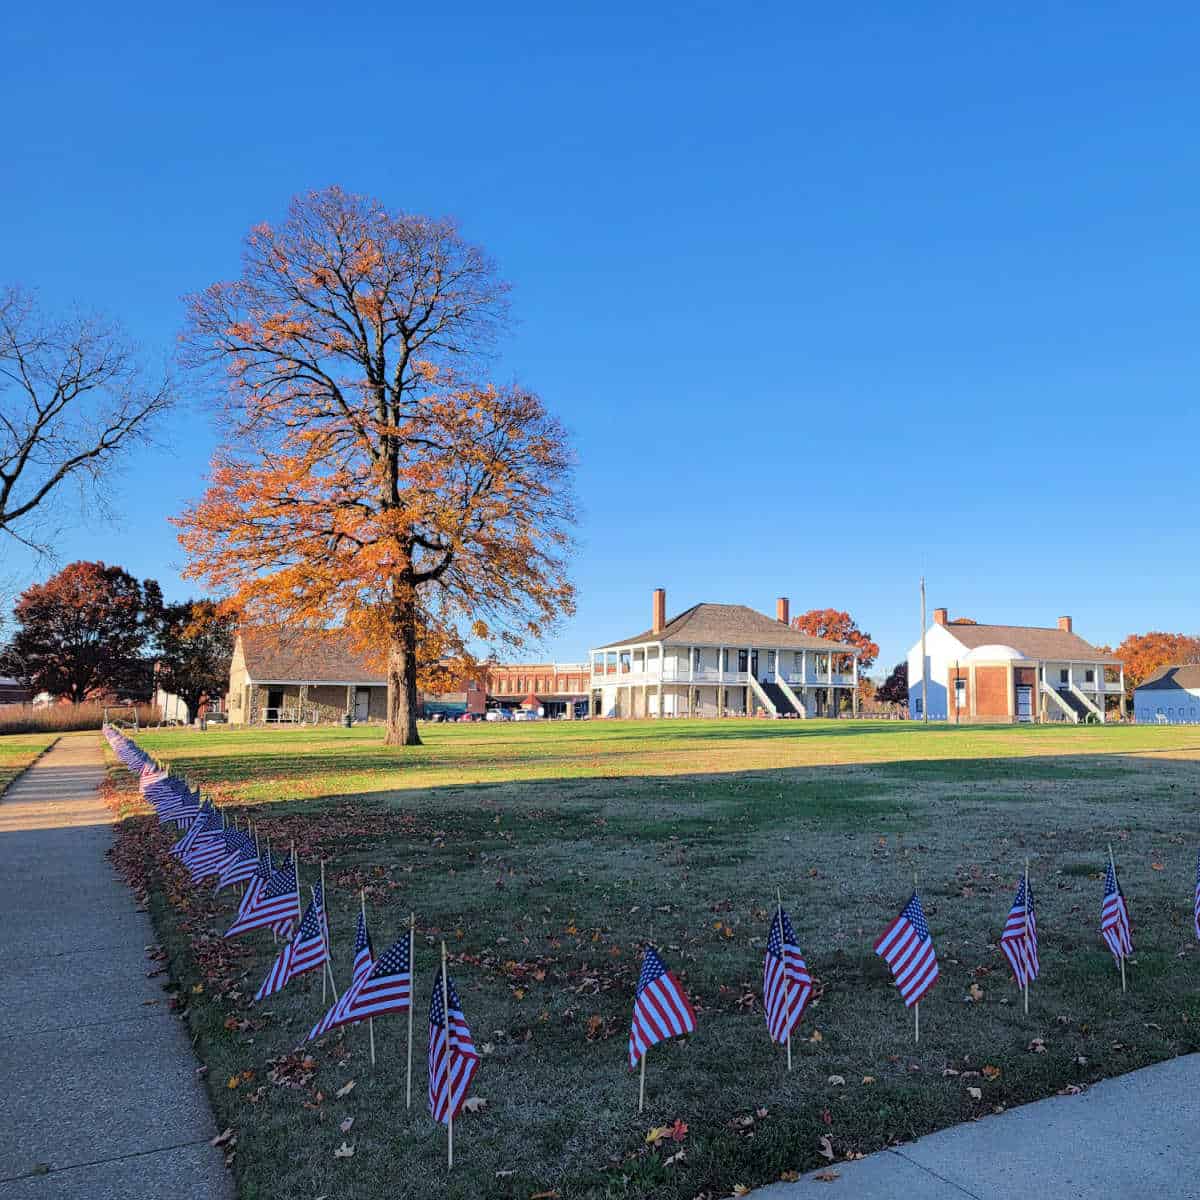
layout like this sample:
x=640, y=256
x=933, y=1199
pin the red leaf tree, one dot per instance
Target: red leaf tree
x=369, y=479
x=1145, y=653
x=840, y=627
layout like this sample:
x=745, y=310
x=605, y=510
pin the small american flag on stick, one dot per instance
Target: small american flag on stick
x=363, y=962
x=1114, y=918
x=274, y=906
x=308, y=949
x=1019, y=939
x=907, y=947
x=453, y=1059
x=1196, y=905
x=787, y=985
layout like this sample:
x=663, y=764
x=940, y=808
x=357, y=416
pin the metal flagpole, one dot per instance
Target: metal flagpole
x=274, y=935
x=325, y=938
x=447, y=1071
x=1121, y=955
x=412, y=991
x=924, y=661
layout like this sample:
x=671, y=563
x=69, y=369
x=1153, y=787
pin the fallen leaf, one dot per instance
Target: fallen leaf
x=678, y=1131
x=345, y=1150
x=656, y=1134
x=740, y=1189
x=474, y=1104
x=1037, y=1046
x=975, y=992
x=825, y=1147
x=552, y=1194
x=222, y=1138
x=836, y=1081
x=674, y=1158
x=975, y=1093
x=234, y=1081
x=868, y=1079
x=828, y=1176
x=990, y=1072
x=1156, y=866
x=348, y=1088
x=347, y=1125
x=789, y=1177
x=816, y=1036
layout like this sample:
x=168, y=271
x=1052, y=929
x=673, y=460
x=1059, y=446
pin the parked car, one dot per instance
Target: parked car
x=467, y=718
x=498, y=714
x=436, y=718
x=525, y=715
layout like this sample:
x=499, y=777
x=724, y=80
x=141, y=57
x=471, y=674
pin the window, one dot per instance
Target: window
x=696, y=657
x=725, y=660
x=798, y=660
x=1064, y=675
x=743, y=660
x=918, y=705
x=960, y=693
x=1089, y=676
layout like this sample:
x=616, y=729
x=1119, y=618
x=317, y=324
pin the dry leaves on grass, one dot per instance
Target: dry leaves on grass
x=346, y=1089
x=1037, y=1046
x=345, y=1150
x=990, y=1072
x=975, y=1093
x=825, y=1148
x=827, y=1176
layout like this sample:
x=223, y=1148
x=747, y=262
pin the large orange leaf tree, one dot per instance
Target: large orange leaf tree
x=368, y=478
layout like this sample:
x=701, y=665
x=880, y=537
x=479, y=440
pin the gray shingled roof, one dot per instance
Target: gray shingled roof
x=306, y=656
x=1177, y=675
x=729, y=625
x=1031, y=641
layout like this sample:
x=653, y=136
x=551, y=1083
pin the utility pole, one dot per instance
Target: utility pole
x=924, y=661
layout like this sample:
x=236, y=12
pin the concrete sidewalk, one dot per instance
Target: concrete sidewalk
x=1131, y=1136
x=100, y=1091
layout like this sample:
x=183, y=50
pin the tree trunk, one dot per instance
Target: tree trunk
x=402, y=679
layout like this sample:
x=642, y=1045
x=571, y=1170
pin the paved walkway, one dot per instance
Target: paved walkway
x=101, y=1098
x=1131, y=1136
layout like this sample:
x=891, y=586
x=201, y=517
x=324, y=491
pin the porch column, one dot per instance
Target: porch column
x=660, y=700
x=829, y=673
x=349, y=699
x=720, y=681
x=854, y=694
x=1122, y=682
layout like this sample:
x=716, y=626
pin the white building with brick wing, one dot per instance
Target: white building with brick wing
x=715, y=660
x=1171, y=696
x=1012, y=673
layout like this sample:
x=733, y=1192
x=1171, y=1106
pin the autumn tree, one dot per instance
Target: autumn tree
x=193, y=646
x=1145, y=653
x=82, y=632
x=894, y=689
x=73, y=401
x=369, y=477
x=839, y=627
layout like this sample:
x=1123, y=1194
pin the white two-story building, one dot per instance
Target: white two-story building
x=716, y=660
x=977, y=672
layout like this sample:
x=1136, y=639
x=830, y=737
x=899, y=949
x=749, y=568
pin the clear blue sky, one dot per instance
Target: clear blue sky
x=828, y=296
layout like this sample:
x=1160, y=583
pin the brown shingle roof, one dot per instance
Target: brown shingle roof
x=306, y=656
x=1180, y=675
x=730, y=625
x=1031, y=641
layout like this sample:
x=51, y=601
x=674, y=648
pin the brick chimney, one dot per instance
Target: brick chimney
x=659, y=617
x=781, y=609
x=1064, y=623
x=941, y=616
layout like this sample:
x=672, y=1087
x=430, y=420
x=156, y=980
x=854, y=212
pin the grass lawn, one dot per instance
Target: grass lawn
x=17, y=751
x=544, y=854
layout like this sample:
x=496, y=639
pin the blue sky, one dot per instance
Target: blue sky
x=828, y=297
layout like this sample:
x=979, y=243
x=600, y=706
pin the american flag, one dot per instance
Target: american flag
x=907, y=947
x=241, y=863
x=660, y=1008
x=1114, y=917
x=195, y=830
x=787, y=984
x=274, y=907
x=208, y=851
x=452, y=1062
x=363, y=962
x=308, y=949
x=1019, y=939
x=263, y=870
x=1196, y=907
x=387, y=986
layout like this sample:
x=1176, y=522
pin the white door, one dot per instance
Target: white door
x=1024, y=702
x=362, y=704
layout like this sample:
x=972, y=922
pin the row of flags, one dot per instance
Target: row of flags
x=383, y=985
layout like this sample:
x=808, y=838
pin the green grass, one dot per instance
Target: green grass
x=18, y=751
x=543, y=854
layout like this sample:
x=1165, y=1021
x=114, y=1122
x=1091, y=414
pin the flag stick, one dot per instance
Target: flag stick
x=362, y=906
x=1121, y=956
x=1026, y=946
x=412, y=987
x=274, y=935
x=325, y=937
x=917, y=1006
x=787, y=984
x=296, y=872
x=642, y=1082
x=446, y=1076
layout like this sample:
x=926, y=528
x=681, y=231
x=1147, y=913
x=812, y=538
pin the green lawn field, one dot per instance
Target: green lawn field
x=18, y=751
x=545, y=854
